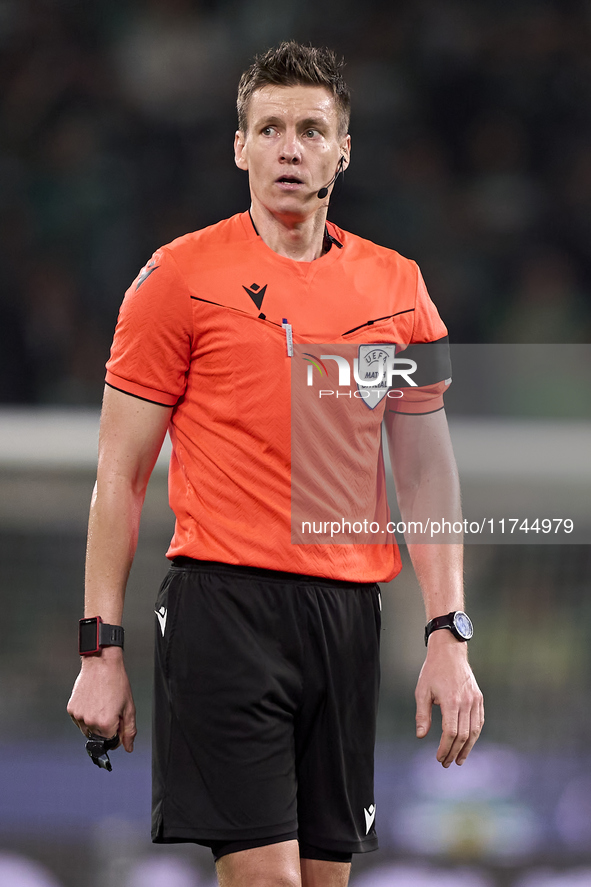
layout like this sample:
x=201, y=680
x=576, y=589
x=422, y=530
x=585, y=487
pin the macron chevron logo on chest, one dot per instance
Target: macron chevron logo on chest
x=256, y=293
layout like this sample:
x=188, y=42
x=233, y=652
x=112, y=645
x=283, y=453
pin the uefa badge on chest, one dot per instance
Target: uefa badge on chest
x=373, y=362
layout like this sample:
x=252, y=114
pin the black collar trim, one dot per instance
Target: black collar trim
x=329, y=240
x=253, y=224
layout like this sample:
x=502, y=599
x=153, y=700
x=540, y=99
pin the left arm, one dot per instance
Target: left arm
x=427, y=486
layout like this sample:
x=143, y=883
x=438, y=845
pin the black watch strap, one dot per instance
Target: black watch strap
x=111, y=635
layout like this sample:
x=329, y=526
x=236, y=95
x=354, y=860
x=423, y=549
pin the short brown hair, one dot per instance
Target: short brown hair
x=291, y=64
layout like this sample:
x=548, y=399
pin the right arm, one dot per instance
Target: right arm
x=131, y=435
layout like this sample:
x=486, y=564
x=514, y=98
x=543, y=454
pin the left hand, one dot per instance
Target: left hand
x=446, y=680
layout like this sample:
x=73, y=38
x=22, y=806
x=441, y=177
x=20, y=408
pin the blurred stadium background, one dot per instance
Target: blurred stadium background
x=471, y=154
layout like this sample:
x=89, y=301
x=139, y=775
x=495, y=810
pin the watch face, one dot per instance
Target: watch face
x=88, y=639
x=463, y=625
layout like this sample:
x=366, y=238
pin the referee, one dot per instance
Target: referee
x=267, y=651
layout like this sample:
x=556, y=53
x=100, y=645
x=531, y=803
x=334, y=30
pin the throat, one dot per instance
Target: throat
x=302, y=241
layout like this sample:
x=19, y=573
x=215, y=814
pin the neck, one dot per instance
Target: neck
x=300, y=239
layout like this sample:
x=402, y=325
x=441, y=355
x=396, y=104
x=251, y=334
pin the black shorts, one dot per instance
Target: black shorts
x=265, y=701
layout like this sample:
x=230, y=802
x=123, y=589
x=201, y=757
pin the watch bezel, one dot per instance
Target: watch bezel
x=85, y=622
x=462, y=615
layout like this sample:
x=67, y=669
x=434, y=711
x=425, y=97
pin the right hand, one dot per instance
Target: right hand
x=446, y=680
x=101, y=700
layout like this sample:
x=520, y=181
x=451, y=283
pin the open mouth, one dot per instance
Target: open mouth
x=289, y=180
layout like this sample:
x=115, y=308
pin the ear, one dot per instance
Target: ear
x=239, y=150
x=346, y=151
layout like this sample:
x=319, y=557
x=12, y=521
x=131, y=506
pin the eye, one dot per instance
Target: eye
x=312, y=133
x=267, y=131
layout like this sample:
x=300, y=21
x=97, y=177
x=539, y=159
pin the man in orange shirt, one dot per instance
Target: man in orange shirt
x=267, y=648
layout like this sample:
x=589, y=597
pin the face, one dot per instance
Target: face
x=292, y=148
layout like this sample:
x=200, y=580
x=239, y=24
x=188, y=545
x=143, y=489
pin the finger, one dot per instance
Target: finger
x=80, y=723
x=476, y=724
x=449, y=733
x=70, y=708
x=127, y=731
x=461, y=739
x=424, y=714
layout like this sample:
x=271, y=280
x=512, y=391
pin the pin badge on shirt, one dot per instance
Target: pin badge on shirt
x=288, y=337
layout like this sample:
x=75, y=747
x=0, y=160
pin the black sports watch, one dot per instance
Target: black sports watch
x=458, y=622
x=94, y=634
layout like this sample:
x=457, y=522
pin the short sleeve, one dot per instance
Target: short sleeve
x=425, y=360
x=151, y=350
x=428, y=325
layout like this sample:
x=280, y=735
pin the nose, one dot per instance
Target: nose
x=290, y=149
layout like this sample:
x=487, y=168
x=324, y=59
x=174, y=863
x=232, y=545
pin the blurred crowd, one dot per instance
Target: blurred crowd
x=471, y=155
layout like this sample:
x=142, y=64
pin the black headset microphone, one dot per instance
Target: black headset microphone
x=324, y=191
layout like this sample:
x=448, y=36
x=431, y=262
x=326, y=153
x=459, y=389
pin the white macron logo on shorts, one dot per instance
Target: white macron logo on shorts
x=161, y=613
x=370, y=815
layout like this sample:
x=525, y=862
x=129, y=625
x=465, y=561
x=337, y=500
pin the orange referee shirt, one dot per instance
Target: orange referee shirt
x=205, y=329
